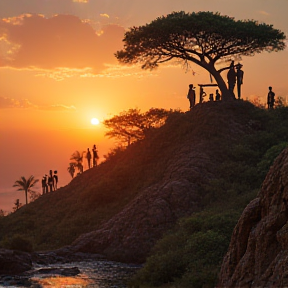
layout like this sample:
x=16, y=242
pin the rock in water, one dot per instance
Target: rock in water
x=258, y=251
x=14, y=262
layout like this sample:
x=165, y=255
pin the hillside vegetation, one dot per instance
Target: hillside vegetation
x=240, y=142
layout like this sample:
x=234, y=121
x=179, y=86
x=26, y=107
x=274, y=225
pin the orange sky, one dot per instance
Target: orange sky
x=57, y=71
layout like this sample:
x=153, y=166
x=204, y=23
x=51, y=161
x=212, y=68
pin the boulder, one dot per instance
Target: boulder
x=258, y=252
x=14, y=262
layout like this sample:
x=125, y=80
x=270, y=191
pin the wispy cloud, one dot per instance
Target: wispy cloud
x=6, y=102
x=262, y=12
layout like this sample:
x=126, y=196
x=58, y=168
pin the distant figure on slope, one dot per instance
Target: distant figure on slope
x=231, y=77
x=211, y=97
x=88, y=156
x=202, y=94
x=55, y=176
x=218, y=96
x=50, y=181
x=270, y=98
x=44, y=185
x=239, y=76
x=95, y=155
x=191, y=96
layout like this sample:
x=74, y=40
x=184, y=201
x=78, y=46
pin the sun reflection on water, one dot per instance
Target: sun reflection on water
x=63, y=282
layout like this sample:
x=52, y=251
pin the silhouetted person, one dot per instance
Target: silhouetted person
x=211, y=97
x=44, y=184
x=55, y=176
x=88, y=156
x=50, y=181
x=95, y=155
x=239, y=77
x=231, y=77
x=218, y=96
x=202, y=94
x=191, y=96
x=270, y=98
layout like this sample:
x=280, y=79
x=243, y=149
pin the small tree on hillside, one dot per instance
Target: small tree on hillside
x=204, y=38
x=71, y=169
x=26, y=185
x=17, y=204
x=77, y=159
x=132, y=125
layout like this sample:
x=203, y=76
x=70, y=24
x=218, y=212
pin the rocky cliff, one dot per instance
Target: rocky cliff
x=258, y=252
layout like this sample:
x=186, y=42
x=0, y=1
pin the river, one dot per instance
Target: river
x=90, y=273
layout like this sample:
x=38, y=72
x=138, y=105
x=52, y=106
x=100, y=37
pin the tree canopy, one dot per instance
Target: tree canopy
x=132, y=125
x=26, y=185
x=204, y=38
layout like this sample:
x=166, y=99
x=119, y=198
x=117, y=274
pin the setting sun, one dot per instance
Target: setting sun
x=95, y=121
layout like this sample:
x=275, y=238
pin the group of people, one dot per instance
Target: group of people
x=234, y=77
x=192, y=95
x=49, y=182
x=94, y=156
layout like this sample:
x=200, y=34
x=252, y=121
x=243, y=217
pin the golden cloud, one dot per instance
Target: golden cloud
x=60, y=41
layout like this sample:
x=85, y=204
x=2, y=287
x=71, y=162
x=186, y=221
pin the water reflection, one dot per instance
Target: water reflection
x=61, y=282
x=90, y=273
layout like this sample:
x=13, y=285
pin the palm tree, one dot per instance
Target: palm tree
x=71, y=169
x=26, y=185
x=77, y=159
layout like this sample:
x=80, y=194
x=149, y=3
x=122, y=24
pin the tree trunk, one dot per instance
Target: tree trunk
x=26, y=195
x=226, y=94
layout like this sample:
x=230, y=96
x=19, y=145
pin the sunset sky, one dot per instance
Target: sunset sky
x=58, y=70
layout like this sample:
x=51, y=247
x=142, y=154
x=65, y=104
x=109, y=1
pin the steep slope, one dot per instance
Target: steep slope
x=125, y=204
x=193, y=161
x=258, y=254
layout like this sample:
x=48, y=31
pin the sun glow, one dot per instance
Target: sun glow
x=95, y=121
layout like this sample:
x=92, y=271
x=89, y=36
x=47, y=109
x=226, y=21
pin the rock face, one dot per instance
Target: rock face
x=14, y=262
x=258, y=252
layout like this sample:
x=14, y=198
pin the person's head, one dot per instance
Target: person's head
x=191, y=86
x=270, y=88
x=216, y=90
x=87, y=149
x=55, y=172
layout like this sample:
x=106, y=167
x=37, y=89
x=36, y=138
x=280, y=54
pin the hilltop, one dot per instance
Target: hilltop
x=195, y=173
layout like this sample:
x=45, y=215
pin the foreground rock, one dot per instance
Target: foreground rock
x=14, y=262
x=258, y=252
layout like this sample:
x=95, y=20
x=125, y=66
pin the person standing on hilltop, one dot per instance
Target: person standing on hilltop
x=239, y=76
x=270, y=98
x=191, y=96
x=88, y=156
x=202, y=94
x=50, y=181
x=44, y=185
x=231, y=77
x=95, y=155
x=55, y=176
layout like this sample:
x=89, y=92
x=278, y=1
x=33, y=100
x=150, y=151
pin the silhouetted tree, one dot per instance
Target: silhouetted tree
x=17, y=204
x=26, y=185
x=130, y=126
x=204, y=38
x=71, y=169
x=77, y=159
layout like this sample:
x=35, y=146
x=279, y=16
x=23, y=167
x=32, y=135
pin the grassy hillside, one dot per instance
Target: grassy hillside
x=244, y=139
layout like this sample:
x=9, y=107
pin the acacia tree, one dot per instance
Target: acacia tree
x=26, y=185
x=204, y=38
x=132, y=125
